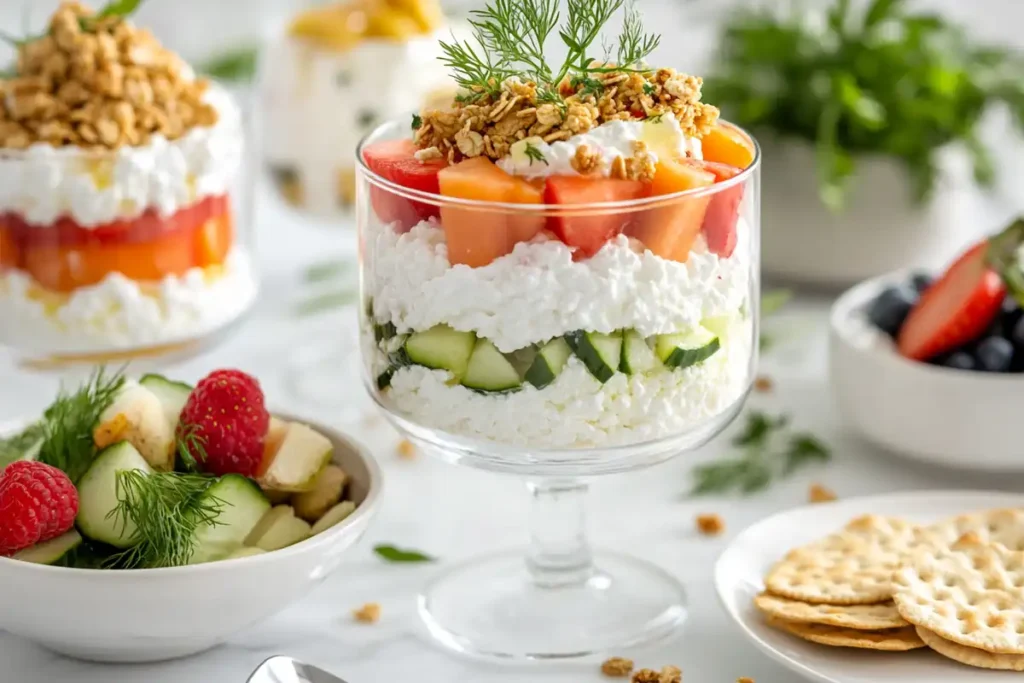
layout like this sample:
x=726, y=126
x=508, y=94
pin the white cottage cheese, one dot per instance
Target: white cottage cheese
x=663, y=138
x=45, y=182
x=118, y=313
x=577, y=411
x=538, y=291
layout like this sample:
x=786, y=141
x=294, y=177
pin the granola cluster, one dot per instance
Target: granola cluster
x=489, y=124
x=98, y=83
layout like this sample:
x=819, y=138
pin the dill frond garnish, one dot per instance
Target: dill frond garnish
x=417, y=122
x=511, y=35
x=166, y=508
x=15, y=447
x=68, y=423
x=191, y=447
x=534, y=154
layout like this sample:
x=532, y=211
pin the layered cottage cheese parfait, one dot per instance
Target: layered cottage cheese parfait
x=118, y=197
x=560, y=279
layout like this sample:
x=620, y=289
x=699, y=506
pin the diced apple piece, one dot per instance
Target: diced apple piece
x=326, y=493
x=723, y=214
x=298, y=461
x=475, y=238
x=279, y=528
x=333, y=516
x=588, y=233
x=728, y=145
x=136, y=415
x=669, y=231
x=245, y=552
x=395, y=160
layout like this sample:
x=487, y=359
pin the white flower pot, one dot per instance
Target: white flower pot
x=881, y=229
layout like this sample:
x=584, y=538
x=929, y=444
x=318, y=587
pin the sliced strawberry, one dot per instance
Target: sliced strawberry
x=957, y=309
x=588, y=233
x=723, y=212
x=395, y=160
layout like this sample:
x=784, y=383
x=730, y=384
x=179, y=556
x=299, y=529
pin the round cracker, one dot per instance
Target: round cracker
x=969, y=655
x=858, y=617
x=888, y=640
x=1003, y=526
x=853, y=566
x=971, y=594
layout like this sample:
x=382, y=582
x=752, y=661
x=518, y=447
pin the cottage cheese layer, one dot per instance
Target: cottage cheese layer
x=119, y=313
x=43, y=183
x=539, y=292
x=577, y=411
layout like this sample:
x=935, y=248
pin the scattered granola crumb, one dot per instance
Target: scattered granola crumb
x=406, y=449
x=744, y=679
x=710, y=525
x=820, y=494
x=764, y=384
x=617, y=667
x=646, y=676
x=671, y=674
x=368, y=613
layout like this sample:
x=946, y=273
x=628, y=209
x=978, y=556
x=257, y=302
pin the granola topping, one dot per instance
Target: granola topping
x=98, y=83
x=617, y=667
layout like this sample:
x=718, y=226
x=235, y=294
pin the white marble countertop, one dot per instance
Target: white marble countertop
x=436, y=508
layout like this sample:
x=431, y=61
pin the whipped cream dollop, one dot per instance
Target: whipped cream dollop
x=663, y=136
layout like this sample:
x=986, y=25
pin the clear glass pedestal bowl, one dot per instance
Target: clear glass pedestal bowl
x=518, y=295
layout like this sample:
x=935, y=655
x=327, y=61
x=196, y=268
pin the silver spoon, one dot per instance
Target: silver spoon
x=281, y=669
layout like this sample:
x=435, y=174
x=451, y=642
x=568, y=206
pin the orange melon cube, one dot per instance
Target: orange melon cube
x=669, y=231
x=728, y=145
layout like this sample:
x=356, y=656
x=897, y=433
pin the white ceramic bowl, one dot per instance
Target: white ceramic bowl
x=955, y=418
x=154, y=614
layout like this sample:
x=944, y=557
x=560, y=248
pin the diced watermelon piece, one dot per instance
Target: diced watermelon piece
x=670, y=231
x=476, y=237
x=588, y=233
x=395, y=160
x=723, y=212
x=727, y=144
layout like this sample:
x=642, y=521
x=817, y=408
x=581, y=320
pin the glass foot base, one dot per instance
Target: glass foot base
x=490, y=608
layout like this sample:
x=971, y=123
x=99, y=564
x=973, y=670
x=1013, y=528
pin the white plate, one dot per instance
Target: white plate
x=741, y=568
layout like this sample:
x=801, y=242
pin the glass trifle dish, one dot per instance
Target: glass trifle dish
x=559, y=277
x=120, y=196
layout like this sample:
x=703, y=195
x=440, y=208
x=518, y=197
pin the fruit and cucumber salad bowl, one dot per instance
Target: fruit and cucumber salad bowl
x=120, y=196
x=157, y=518
x=559, y=278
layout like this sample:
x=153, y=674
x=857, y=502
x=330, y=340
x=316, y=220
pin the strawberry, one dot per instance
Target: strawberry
x=723, y=212
x=226, y=415
x=37, y=503
x=957, y=309
x=590, y=231
x=395, y=160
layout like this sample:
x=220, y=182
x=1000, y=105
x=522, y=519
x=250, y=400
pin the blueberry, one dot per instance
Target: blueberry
x=960, y=360
x=1017, y=334
x=995, y=354
x=890, y=309
x=1010, y=314
x=920, y=281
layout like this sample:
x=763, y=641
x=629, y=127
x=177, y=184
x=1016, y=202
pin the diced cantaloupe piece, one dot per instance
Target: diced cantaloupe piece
x=669, y=231
x=728, y=145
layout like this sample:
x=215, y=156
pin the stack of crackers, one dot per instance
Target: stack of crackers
x=880, y=583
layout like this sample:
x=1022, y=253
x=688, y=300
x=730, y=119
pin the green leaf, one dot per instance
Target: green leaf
x=234, y=66
x=326, y=302
x=756, y=478
x=417, y=122
x=773, y=300
x=804, y=449
x=119, y=8
x=392, y=554
x=325, y=270
x=838, y=15
x=15, y=447
x=879, y=11
x=758, y=428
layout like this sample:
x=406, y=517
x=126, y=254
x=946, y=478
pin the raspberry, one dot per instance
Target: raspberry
x=225, y=412
x=37, y=502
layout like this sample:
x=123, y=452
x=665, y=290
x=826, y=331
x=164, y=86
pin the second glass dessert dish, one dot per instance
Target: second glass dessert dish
x=559, y=277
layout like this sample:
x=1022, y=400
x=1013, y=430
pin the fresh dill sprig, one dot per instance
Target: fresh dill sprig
x=534, y=154
x=166, y=509
x=15, y=447
x=510, y=37
x=68, y=423
x=417, y=122
x=191, y=447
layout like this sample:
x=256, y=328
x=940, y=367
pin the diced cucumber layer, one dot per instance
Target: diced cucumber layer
x=97, y=495
x=173, y=395
x=637, y=356
x=549, y=363
x=489, y=370
x=687, y=349
x=442, y=348
x=601, y=353
x=52, y=551
x=242, y=506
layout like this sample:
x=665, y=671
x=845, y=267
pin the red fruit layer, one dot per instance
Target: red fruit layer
x=723, y=214
x=37, y=503
x=957, y=309
x=395, y=160
x=589, y=232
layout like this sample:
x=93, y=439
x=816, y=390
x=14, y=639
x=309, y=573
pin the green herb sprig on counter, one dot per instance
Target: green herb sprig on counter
x=770, y=451
x=237, y=65
x=397, y=555
x=884, y=81
x=510, y=37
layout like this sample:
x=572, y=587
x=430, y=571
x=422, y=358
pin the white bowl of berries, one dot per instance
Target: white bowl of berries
x=934, y=368
x=143, y=520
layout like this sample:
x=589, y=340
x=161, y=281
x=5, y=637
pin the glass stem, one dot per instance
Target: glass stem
x=559, y=552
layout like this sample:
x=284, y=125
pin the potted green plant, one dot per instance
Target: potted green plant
x=870, y=125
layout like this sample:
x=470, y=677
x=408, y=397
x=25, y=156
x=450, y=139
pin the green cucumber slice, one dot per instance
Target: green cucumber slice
x=489, y=370
x=173, y=395
x=601, y=353
x=441, y=348
x=52, y=551
x=549, y=363
x=243, y=506
x=686, y=349
x=637, y=356
x=97, y=495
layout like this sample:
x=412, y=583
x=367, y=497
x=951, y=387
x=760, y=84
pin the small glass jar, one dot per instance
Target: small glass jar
x=126, y=253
